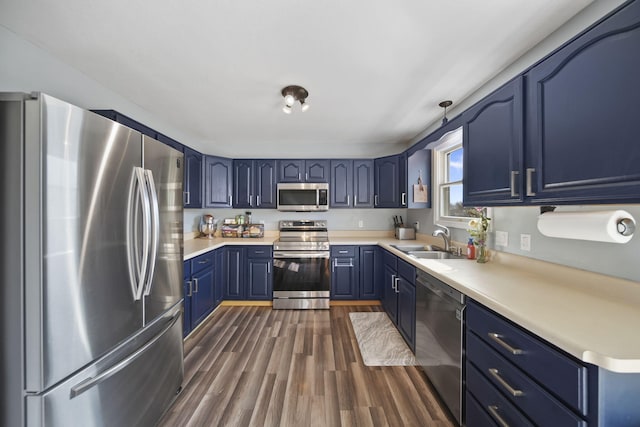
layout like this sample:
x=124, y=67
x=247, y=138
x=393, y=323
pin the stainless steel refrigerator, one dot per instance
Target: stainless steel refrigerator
x=91, y=268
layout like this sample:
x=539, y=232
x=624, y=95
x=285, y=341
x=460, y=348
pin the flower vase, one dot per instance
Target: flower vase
x=483, y=255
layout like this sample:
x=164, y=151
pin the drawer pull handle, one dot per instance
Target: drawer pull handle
x=496, y=374
x=343, y=252
x=493, y=410
x=202, y=262
x=498, y=339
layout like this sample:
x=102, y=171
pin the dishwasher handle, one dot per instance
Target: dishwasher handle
x=439, y=288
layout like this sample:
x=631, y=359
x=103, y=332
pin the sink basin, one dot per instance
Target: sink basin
x=432, y=255
x=408, y=248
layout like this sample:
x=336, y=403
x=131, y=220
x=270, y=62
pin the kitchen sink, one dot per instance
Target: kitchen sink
x=432, y=255
x=413, y=248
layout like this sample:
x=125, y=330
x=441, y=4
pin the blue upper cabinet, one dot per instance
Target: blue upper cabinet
x=298, y=170
x=341, y=194
x=387, y=182
x=291, y=170
x=363, y=192
x=582, y=114
x=254, y=183
x=218, y=185
x=265, y=183
x=351, y=184
x=192, y=185
x=316, y=170
x=243, y=183
x=493, y=146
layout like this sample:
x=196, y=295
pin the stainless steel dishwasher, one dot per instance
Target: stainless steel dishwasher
x=439, y=332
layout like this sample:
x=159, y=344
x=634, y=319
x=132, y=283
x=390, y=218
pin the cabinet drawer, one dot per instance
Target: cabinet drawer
x=187, y=269
x=521, y=390
x=490, y=403
x=343, y=251
x=559, y=373
x=407, y=271
x=201, y=262
x=260, y=252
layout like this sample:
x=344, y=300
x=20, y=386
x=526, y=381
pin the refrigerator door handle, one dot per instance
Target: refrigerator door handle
x=137, y=266
x=90, y=382
x=155, y=229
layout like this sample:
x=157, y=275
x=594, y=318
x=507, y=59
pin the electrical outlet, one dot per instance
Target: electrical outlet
x=417, y=225
x=361, y=223
x=525, y=242
x=502, y=238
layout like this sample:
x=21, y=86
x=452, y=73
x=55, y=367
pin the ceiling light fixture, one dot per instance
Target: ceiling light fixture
x=445, y=104
x=292, y=94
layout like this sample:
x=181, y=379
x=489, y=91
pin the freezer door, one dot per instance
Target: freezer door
x=164, y=173
x=132, y=386
x=79, y=299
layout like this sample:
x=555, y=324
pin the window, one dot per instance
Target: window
x=448, y=174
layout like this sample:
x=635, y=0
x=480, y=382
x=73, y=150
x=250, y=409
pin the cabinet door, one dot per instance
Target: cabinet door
x=402, y=179
x=259, y=279
x=192, y=178
x=493, y=147
x=202, y=299
x=582, y=116
x=370, y=281
x=407, y=311
x=344, y=278
x=242, y=183
x=234, y=266
x=291, y=170
x=220, y=276
x=363, y=192
x=218, y=173
x=186, y=313
x=390, y=301
x=317, y=171
x=341, y=183
x=387, y=185
x=265, y=183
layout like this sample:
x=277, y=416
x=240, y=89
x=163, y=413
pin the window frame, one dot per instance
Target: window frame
x=449, y=142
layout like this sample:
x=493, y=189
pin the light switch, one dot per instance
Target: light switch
x=525, y=242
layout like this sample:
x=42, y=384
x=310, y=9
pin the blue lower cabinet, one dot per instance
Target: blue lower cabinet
x=234, y=261
x=202, y=300
x=199, y=289
x=344, y=272
x=220, y=275
x=260, y=273
x=407, y=311
x=399, y=295
x=370, y=280
x=389, y=292
x=259, y=279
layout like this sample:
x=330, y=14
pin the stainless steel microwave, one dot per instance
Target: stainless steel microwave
x=303, y=197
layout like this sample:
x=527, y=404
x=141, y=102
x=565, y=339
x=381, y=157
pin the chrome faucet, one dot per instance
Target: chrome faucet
x=445, y=234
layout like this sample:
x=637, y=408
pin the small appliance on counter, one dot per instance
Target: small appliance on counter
x=238, y=227
x=403, y=232
x=208, y=226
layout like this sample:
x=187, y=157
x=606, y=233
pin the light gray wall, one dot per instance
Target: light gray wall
x=337, y=219
x=25, y=67
x=619, y=260
x=588, y=16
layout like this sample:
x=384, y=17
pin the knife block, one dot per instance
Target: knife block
x=405, y=233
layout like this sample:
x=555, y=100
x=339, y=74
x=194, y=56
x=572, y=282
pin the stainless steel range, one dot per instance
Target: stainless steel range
x=301, y=274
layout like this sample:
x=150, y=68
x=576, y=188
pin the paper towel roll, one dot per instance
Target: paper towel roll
x=598, y=226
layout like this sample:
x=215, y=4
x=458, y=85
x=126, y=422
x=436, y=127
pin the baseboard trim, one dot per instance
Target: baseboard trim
x=229, y=303
x=356, y=302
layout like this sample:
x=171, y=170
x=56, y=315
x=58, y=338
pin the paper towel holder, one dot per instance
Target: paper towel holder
x=626, y=226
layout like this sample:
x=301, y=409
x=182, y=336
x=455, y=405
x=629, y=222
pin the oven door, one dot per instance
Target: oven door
x=301, y=274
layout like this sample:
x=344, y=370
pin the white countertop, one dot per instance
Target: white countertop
x=591, y=316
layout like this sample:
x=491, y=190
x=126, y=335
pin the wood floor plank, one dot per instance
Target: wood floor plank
x=254, y=366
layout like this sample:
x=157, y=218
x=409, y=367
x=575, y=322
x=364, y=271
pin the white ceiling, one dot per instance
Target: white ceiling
x=375, y=70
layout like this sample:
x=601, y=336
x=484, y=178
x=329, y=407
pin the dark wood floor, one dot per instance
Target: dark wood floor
x=254, y=366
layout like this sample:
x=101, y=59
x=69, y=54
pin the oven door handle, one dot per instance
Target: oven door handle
x=305, y=254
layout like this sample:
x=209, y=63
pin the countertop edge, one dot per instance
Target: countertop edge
x=504, y=266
